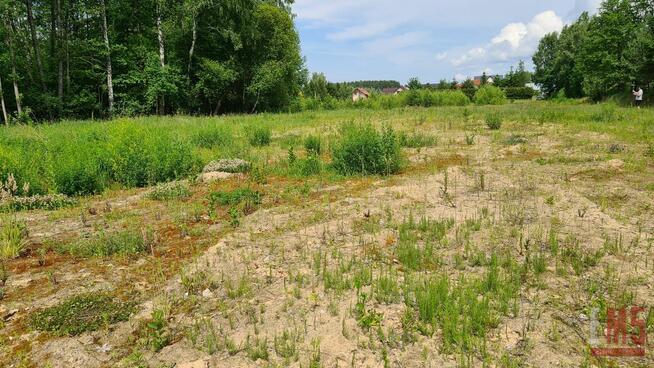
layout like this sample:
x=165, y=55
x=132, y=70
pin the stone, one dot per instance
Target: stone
x=214, y=176
x=615, y=164
x=195, y=364
x=235, y=165
x=207, y=294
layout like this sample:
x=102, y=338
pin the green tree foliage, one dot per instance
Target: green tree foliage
x=601, y=55
x=374, y=85
x=414, y=84
x=317, y=87
x=515, y=78
x=163, y=56
x=490, y=95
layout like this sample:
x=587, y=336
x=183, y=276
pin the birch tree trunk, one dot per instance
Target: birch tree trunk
x=60, y=40
x=11, y=29
x=35, y=43
x=2, y=102
x=192, y=50
x=162, y=58
x=105, y=34
x=162, y=50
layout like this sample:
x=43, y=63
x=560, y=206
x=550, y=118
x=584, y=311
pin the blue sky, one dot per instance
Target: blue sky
x=429, y=39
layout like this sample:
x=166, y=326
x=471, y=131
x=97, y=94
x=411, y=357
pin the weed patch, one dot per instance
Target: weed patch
x=12, y=238
x=82, y=313
x=417, y=140
x=123, y=243
x=494, y=121
x=259, y=136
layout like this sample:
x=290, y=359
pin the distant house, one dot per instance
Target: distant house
x=479, y=79
x=394, y=90
x=360, y=93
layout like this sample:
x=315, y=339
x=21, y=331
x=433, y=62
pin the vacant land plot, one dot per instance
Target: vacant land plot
x=443, y=237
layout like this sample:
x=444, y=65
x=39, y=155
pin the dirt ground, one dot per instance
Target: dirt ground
x=256, y=295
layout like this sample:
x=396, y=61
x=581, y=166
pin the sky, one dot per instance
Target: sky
x=429, y=39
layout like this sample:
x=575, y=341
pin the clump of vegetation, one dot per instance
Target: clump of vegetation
x=81, y=313
x=157, y=334
x=234, y=197
x=494, y=121
x=616, y=148
x=123, y=243
x=48, y=202
x=240, y=201
x=490, y=95
x=363, y=150
x=607, y=113
x=286, y=344
x=312, y=145
x=465, y=310
x=170, y=191
x=211, y=137
x=427, y=98
x=649, y=151
x=12, y=238
x=96, y=156
x=256, y=348
x=310, y=166
x=259, y=136
x=514, y=139
x=417, y=140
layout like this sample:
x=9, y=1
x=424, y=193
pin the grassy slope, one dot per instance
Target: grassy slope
x=562, y=165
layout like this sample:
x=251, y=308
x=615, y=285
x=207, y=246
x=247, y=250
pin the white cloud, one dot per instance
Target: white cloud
x=581, y=6
x=515, y=40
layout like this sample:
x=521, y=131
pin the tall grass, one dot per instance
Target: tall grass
x=85, y=159
x=364, y=150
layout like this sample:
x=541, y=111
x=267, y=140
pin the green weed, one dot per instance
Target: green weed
x=81, y=313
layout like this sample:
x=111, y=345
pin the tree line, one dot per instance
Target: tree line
x=599, y=56
x=98, y=58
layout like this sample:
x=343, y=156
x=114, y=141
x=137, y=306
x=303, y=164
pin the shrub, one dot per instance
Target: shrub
x=170, y=191
x=122, y=243
x=490, y=95
x=363, y=150
x=519, y=93
x=310, y=166
x=494, y=121
x=81, y=313
x=138, y=157
x=469, y=92
x=259, y=136
x=312, y=145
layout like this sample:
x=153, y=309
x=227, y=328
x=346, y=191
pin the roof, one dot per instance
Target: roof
x=362, y=91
